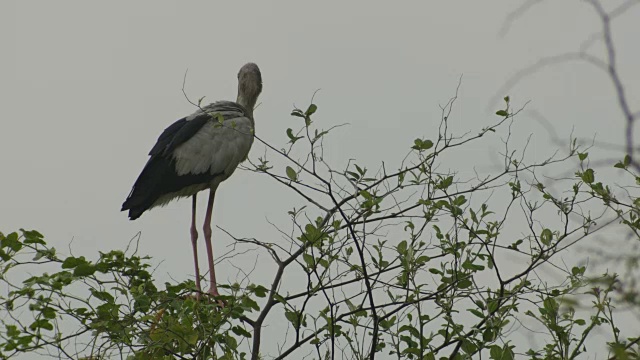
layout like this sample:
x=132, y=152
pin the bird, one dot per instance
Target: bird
x=197, y=153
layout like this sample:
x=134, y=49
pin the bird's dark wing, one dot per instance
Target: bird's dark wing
x=158, y=176
x=177, y=133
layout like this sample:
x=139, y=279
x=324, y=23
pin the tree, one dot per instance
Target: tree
x=421, y=260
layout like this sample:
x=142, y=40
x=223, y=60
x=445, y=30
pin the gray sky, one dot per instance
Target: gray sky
x=86, y=88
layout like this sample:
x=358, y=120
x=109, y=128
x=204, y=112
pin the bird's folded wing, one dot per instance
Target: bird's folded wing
x=177, y=133
x=217, y=147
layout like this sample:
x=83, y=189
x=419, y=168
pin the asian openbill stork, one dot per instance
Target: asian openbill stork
x=196, y=153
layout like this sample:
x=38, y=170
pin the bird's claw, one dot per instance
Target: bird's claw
x=215, y=294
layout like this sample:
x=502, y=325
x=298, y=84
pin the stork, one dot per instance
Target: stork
x=197, y=153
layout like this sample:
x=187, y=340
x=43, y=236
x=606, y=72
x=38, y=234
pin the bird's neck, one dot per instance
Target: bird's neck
x=247, y=103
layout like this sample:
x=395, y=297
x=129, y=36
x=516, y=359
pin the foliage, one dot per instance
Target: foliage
x=413, y=263
x=426, y=259
x=113, y=304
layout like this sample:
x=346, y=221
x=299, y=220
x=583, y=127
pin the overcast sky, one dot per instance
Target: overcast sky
x=87, y=87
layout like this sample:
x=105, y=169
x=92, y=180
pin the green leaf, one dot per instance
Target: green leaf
x=496, y=352
x=422, y=260
x=142, y=303
x=445, y=183
x=465, y=283
x=25, y=340
x=365, y=194
x=502, y=113
x=353, y=175
x=411, y=330
x=468, y=347
x=422, y=145
x=41, y=324
x=238, y=330
x=492, y=306
x=387, y=323
x=311, y=109
x=12, y=242
x=624, y=163
x=293, y=138
x=318, y=135
x=476, y=313
x=402, y=247
x=260, y=291
x=71, y=262
x=546, y=236
x=349, y=251
x=32, y=237
x=489, y=335
x=324, y=263
x=191, y=338
x=308, y=259
x=291, y=174
x=575, y=271
x=85, y=269
x=298, y=113
x=103, y=295
x=588, y=176
x=48, y=313
x=460, y=200
x=293, y=317
x=249, y=303
x=12, y=331
x=507, y=353
x=582, y=156
x=468, y=265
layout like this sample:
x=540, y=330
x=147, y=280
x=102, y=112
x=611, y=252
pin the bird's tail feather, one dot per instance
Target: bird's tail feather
x=145, y=190
x=159, y=178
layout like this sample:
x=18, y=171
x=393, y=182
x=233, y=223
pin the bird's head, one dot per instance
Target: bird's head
x=249, y=85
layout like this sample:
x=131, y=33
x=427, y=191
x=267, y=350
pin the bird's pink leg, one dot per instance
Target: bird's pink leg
x=194, y=243
x=207, y=237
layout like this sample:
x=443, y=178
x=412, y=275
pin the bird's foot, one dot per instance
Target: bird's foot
x=206, y=297
x=213, y=292
x=197, y=296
